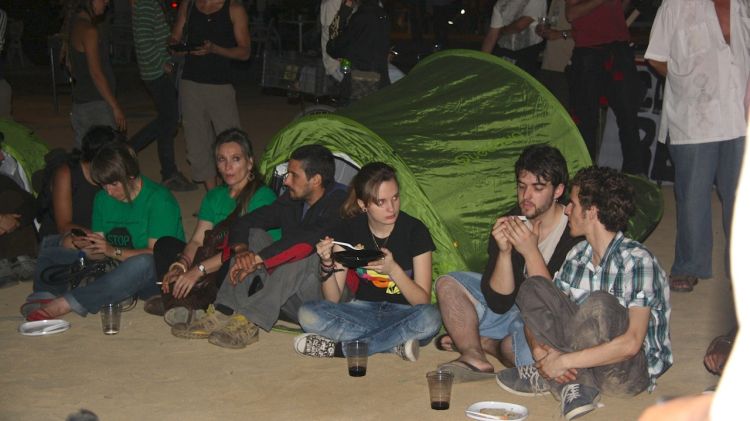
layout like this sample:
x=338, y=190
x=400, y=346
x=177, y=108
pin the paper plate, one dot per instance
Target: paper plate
x=475, y=411
x=43, y=327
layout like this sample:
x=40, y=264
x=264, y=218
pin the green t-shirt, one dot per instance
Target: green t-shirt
x=153, y=214
x=218, y=204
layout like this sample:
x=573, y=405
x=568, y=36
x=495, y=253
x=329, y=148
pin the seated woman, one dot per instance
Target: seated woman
x=391, y=309
x=66, y=206
x=180, y=265
x=129, y=215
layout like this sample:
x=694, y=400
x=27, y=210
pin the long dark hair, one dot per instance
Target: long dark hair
x=364, y=186
x=255, y=182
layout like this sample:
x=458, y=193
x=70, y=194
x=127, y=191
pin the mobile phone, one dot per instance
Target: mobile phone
x=180, y=48
x=78, y=232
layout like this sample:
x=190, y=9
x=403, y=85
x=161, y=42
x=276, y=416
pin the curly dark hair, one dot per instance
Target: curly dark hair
x=608, y=190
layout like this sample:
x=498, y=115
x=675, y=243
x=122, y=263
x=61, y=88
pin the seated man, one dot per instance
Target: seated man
x=602, y=323
x=479, y=310
x=270, y=277
x=17, y=233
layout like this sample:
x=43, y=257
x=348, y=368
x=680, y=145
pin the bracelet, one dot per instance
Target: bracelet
x=327, y=273
x=323, y=265
x=184, y=259
x=178, y=265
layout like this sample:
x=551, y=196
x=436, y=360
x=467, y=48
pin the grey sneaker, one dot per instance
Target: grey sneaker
x=523, y=381
x=182, y=315
x=23, y=268
x=7, y=276
x=179, y=183
x=313, y=345
x=408, y=351
x=578, y=400
x=236, y=334
x=203, y=327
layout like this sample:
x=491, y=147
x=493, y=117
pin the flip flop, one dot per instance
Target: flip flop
x=465, y=372
x=438, y=342
x=31, y=305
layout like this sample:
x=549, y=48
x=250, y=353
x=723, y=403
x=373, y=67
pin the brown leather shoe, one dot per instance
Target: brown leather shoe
x=154, y=305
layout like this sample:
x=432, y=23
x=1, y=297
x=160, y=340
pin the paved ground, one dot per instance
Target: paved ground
x=145, y=373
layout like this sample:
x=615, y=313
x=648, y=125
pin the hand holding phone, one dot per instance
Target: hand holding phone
x=78, y=232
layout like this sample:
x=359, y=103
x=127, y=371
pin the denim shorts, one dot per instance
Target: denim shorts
x=491, y=324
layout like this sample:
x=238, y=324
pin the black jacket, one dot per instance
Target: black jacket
x=286, y=214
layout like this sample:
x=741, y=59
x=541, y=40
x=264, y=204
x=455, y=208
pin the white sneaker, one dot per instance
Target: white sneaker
x=408, y=351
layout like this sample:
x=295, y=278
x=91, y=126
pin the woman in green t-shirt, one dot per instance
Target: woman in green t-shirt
x=205, y=257
x=130, y=213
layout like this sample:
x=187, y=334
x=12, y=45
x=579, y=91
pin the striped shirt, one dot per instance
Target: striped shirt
x=150, y=34
x=630, y=273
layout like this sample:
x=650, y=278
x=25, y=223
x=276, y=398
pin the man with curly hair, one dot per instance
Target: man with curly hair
x=602, y=323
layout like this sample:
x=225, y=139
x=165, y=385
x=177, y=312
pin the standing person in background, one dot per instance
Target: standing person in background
x=701, y=46
x=216, y=32
x=511, y=29
x=329, y=23
x=150, y=36
x=94, y=101
x=5, y=90
x=559, y=48
x=603, y=65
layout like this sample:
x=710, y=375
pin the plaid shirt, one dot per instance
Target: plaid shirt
x=630, y=273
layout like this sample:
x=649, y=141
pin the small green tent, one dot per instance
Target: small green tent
x=23, y=145
x=453, y=129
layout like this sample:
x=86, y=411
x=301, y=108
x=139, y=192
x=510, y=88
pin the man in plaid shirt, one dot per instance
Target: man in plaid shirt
x=602, y=323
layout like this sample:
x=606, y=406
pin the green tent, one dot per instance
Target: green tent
x=23, y=145
x=453, y=129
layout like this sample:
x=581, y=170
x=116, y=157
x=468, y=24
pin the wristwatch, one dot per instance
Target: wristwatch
x=202, y=268
x=118, y=252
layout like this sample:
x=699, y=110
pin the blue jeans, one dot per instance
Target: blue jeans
x=51, y=253
x=382, y=325
x=494, y=325
x=697, y=168
x=134, y=276
x=164, y=127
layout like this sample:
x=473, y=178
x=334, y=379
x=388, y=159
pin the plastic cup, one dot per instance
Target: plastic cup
x=356, y=358
x=110, y=318
x=440, y=383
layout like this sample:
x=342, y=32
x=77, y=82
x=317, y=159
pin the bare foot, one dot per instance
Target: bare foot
x=56, y=308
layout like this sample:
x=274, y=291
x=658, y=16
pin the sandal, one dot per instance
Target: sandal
x=682, y=283
x=441, y=346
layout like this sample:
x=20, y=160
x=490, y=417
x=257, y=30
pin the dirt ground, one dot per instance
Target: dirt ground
x=146, y=373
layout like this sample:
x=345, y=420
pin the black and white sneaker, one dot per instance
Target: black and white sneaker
x=578, y=400
x=313, y=345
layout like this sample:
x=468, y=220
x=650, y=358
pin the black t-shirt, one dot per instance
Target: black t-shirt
x=409, y=238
